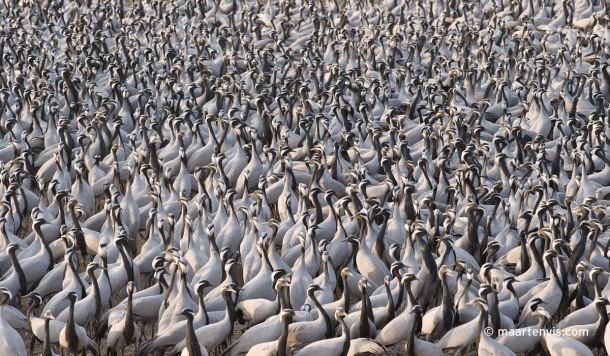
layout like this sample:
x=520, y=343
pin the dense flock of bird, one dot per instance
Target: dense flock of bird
x=309, y=177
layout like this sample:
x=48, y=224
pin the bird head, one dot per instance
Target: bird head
x=72, y=296
x=187, y=312
x=340, y=313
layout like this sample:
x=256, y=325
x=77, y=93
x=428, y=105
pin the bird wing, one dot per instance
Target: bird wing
x=269, y=330
x=115, y=317
x=366, y=347
x=264, y=349
x=332, y=347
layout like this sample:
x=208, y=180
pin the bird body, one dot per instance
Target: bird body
x=10, y=338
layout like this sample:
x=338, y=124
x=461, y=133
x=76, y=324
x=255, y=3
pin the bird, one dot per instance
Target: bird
x=278, y=347
x=185, y=170
x=439, y=320
x=10, y=337
x=210, y=336
x=193, y=348
x=334, y=346
x=46, y=346
x=303, y=333
x=556, y=345
x=74, y=337
x=484, y=343
x=415, y=346
x=38, y=326
x=177, y=332
x=91, y=305
x=125, y=331
x=526, y=338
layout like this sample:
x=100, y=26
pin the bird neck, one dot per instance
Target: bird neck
x=46, y=346
x=30, y=312
x=593, y=244
x=18, y=271
x=512, y=291
x=318, y=207
x=495, y=314
x=555, y=278
x=192, y=344
x=283, y=340
x=71, y=327
x=598, y=292
x=410, y=346
x=345, y=335
x=525, y=257
x=346, y=293
x=129, y=324
x=536, y=258
x=603, y=315
x=364, y=315
x=322, y=313
x=282, y=298
x=203, y=312
x=351, y=258
x=126, y=261
x=429, y=261
x=229, y=306
x=473, y=232
x=170, y=288
x=446, y=293
x=96, y=293
x=482, y=318
x=267, y=267
x=379, y=248
x=465, y=290
x=390, y=308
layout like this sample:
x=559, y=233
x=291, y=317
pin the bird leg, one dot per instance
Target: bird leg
x=396, y=348
x=32, y=344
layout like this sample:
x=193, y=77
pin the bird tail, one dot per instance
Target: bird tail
x=175, y=351
x=92, y=346
x=240, y=316
x=102, y=326
x=229, y=350
x=148, y=347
